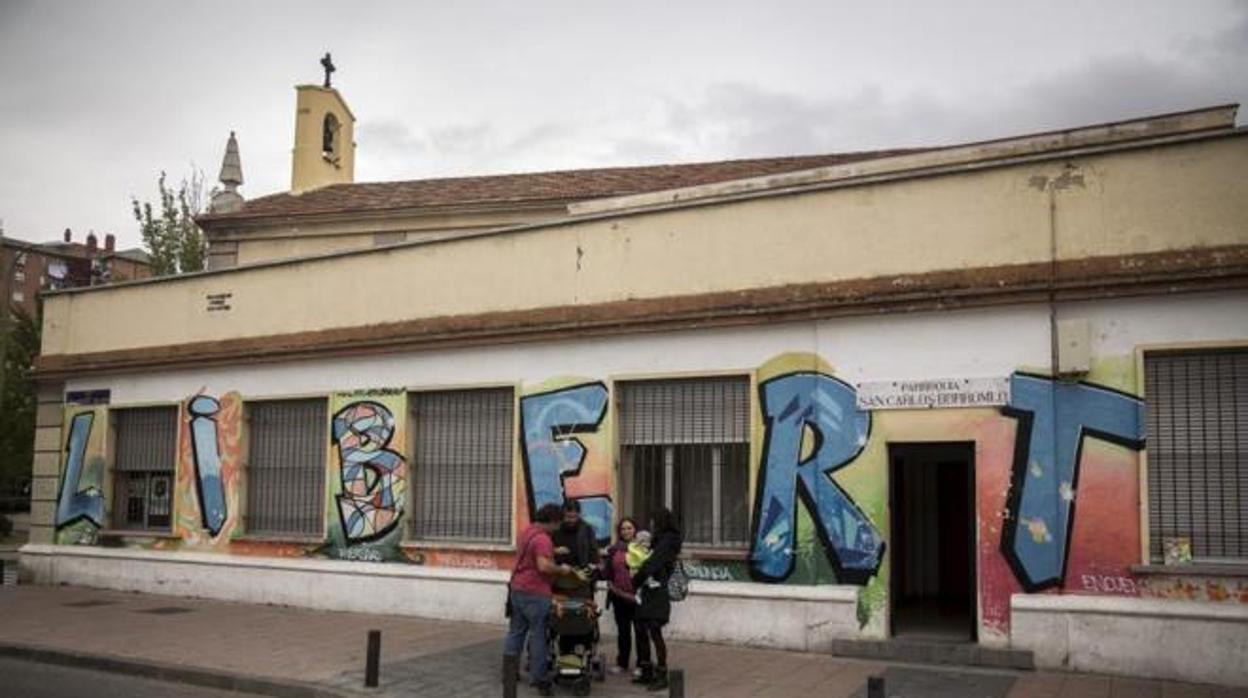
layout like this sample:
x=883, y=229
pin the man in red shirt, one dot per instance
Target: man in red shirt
x=530, y=593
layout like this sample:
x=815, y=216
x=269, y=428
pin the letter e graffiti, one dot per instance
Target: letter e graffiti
x=549, y=423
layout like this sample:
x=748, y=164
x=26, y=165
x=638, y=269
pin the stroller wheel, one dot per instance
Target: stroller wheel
x=600, y=669
x=582, y=686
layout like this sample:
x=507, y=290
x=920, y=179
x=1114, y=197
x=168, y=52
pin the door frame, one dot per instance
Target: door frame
x=894, y=449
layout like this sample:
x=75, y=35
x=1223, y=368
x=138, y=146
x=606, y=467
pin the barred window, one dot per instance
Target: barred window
x=146, y=446
x=287, y=451
x=1198, y=452
x=685, y=445
x=462, y=464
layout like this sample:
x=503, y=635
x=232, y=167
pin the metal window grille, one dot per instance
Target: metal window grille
x=462, y=464
x=1198, y=452
x=286, y=456
x=685, y=445
x=146, y=444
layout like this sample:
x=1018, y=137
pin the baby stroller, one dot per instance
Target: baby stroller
x=574, y=643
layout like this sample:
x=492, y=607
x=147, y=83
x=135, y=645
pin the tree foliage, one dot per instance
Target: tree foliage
x=173, y=240
x=18, y=401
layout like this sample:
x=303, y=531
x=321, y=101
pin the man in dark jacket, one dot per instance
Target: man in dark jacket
x=656, y=605
x=576, y=544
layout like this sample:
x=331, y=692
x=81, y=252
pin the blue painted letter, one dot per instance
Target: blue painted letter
x=790, y=405
x=1053, y=418
x=212, y=508
x=548, y=424
x=78, y=504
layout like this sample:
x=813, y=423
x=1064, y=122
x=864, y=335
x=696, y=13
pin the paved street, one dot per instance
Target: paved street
x=24, y=679
x=325, y=652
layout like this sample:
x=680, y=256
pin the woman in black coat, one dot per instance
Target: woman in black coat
x=656, y=606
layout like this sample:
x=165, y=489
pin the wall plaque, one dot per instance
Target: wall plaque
x=933, y=393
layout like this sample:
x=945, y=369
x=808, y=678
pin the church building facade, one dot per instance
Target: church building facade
x=995, y=393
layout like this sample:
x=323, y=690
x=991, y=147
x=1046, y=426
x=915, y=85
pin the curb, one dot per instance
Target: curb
x=209, y=678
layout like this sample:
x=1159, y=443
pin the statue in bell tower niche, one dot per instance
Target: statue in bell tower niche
x=329, y=137
x=328, y=64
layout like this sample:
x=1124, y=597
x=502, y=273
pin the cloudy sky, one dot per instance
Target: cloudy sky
x=97, y=98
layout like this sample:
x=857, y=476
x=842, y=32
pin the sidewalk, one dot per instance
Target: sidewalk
x=292, y=652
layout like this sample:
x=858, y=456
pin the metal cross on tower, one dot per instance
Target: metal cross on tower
x=328, y=64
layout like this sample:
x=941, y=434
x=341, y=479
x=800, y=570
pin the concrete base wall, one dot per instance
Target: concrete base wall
x=799, y=618
x=1152, y=638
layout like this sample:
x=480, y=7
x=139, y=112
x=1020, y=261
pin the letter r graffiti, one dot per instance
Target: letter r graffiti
x=792, y=405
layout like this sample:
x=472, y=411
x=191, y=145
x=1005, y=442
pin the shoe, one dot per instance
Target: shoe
x=645, y=676
x=660, y=680
x=616, y=669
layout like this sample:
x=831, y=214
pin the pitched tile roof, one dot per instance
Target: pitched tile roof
x=563, y=185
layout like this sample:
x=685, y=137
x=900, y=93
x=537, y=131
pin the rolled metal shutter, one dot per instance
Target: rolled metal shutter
x=1198, y=451
x=462, y=464
x=287, y=451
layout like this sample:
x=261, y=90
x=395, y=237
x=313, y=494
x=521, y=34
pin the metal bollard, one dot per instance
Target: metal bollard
x=511, y=668
x=875, y=687
x=676, y=683
x=373, y=659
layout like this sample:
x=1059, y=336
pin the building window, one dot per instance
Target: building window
x=18, y=295
x=1197, y=403
x=685, y=445
x=462, y=464
x=19, y=276
x=145, y=449
x=287, y=451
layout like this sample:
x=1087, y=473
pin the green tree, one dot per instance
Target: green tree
x=18, y=401
x=176, y=245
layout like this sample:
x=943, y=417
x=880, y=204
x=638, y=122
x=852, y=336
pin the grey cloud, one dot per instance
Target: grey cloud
x=741, y=120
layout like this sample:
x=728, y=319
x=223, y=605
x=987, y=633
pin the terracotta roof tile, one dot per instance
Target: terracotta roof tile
x=561, y=185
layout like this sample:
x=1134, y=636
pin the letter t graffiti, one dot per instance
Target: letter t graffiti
x=1053, y=419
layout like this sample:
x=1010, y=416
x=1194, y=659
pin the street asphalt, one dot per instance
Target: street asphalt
x=26, y=679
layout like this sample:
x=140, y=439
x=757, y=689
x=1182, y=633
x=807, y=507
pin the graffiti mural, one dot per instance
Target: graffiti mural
x=371, y=475
x=811, y=429
x=550, y=425
x=80, y=504
x=1054, y=417
x=209, y=465
x=819, y=486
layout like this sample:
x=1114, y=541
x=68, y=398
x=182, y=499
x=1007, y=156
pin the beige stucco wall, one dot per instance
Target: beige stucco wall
x=1144, y=200
x=284, y=240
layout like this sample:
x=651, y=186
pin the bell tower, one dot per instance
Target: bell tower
x=324, y=151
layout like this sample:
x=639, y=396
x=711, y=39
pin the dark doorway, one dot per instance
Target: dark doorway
x=932, y=497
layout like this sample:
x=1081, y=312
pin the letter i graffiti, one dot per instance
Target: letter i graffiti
x=203, y=421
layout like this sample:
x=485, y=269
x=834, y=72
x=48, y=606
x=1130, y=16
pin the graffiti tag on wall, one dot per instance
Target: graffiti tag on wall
x=371, y=501
x=81, y=498
x=549, y=425
x=818, y=411
x=1054, y=417
x=209, y=487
